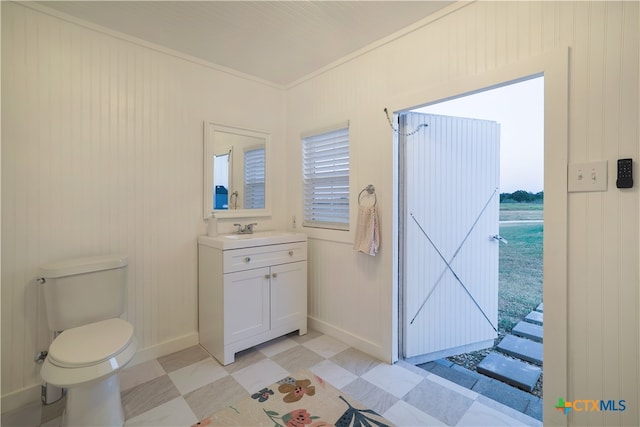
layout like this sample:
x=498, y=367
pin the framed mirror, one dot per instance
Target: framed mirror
x=235, y=172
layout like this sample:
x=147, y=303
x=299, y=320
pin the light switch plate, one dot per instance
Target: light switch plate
x=591, y=176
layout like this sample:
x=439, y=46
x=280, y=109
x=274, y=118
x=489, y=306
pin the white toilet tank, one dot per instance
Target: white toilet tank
x=84, y=290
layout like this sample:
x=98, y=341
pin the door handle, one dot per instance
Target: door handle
x=499, y=238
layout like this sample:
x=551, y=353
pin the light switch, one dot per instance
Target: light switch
x=591, y=176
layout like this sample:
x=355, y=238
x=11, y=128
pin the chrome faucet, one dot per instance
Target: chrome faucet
x=245, y=229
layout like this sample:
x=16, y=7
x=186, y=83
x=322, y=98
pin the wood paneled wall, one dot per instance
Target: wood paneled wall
x=102, y=145
x=603, y=257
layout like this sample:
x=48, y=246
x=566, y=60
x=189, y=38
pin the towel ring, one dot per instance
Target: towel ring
x=370, y=189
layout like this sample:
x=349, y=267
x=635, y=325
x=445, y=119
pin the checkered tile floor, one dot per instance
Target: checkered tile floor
x=184, y=387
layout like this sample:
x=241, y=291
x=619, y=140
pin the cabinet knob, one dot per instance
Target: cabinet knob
x=290, y=253
x=274, y=275
x=266, y=276
x=247, y=259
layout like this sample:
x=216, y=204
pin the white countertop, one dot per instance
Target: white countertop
x=258, y=238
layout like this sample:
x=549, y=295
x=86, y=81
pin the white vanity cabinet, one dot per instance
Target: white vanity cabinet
x=250, y=294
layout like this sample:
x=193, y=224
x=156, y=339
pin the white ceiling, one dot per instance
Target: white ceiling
x=277, y=41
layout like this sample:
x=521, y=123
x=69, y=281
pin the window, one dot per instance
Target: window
x=254, y=178
x=325, y=173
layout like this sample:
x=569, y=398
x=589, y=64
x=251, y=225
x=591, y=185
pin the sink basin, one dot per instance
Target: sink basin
x=259, y=238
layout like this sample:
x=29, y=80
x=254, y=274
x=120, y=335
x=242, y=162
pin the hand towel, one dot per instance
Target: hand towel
x=367, y=230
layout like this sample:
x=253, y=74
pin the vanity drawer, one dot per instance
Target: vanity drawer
x=263, y=256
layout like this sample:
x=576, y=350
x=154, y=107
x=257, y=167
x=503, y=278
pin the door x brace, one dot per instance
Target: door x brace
x=448, y=264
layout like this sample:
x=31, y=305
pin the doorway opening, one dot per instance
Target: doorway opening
x=465, y=205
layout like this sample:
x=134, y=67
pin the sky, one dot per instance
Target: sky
x=519, y=108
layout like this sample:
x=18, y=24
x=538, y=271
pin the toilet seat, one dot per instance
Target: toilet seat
x=88, y=353
x=90, y=344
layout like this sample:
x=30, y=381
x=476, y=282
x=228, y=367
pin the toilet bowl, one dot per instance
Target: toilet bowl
x=85, y=360
x=84, y=298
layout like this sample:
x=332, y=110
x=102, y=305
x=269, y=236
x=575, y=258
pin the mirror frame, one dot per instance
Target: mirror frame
x=209, y=143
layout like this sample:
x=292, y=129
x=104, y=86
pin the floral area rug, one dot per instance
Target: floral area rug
x=302, y=400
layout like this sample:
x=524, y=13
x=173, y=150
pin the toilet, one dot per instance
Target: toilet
x=84, y=298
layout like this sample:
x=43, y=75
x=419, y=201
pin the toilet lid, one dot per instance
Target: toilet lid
x=90, y=344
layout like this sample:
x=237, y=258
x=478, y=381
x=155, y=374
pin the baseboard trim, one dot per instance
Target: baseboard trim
x=31, y=394
x=20, y=398
x=164, y=348
x=373, y=349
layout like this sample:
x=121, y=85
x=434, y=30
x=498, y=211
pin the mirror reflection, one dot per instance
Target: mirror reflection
x=235, y=171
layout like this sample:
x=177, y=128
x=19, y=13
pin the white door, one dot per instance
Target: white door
x=450, y=218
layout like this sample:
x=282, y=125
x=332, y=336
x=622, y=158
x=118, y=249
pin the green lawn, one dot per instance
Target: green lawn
x=521, y=207
x=520, y=286
x=521, y=211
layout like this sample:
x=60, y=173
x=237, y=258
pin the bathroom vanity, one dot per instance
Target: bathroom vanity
x=251, y=288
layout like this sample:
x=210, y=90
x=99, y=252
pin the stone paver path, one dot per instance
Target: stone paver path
x=518, y=360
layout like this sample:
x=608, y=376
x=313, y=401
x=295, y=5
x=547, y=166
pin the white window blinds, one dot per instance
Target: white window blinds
x=254, y=185
x=326, y=179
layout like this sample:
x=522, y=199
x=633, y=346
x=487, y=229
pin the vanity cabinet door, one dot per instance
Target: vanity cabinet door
x=288, y=295
x=246, y=304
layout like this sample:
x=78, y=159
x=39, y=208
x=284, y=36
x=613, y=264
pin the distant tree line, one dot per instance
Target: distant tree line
x=522, y=196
